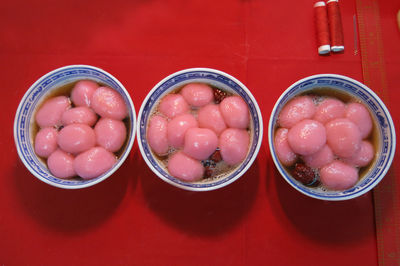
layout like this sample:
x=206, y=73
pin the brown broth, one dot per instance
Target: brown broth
x=373, y=138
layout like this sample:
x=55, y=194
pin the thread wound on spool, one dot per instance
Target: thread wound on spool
x=335, y=26
x=321, y=23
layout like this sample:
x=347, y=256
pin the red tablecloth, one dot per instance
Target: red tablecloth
x=134, y=218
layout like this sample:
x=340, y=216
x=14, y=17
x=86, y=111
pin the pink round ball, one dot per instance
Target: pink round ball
x=338, y=176
x=343, y=137
x=110, y=134
x=329, y=109
x=173, y=104
x=177, y=128
x=46, y=141
x=200, y=143
x=50, y=113
x=76, y=138
x=234, y=145
x=307, y=137
x=285, y=154
x=82, y=92
x=235, y=112
x=157, y=134
x=210, y=117
x=363, y=156
x=197, y=94
x=107, y=102
x=294, y=111
x=81, y=115
x=360, y=116
x=60, y=164
x=322, y=157
x=94, y=162
x=185, y=168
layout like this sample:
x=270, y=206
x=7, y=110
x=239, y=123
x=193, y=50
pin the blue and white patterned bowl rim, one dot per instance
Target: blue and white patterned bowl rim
x=218, y=79
x=34, y=96
x=377, y=109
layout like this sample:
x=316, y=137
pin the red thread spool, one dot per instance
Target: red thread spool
x=335, y=25
x=321, y=23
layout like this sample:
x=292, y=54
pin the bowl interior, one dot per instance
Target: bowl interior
x=37, y=93
x=213, y=78
x=384, y=141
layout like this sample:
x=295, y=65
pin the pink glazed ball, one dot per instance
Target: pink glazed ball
x=60, y=164
x=363, y=156
x=307, y=137
x=76, y=138
x=46, y=141
x=296, y=110
x=82, y=92
x=177, y=128
x=81, y=115
x=235, y=112
x=197, y=94
x=157, y=133
x=338, y=175
x=283, y=151
x=110, y=134
x=172, y=105
x=94, y=162
x=359, y=115
x=329, y=109
x=319, y=159
x=185, y=168
x=210, y=117
x=107, y=102
x=50, y=113
x=343, y=136
x=234, y=145
x=200, y=143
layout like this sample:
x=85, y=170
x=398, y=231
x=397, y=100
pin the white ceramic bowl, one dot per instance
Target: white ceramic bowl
x=381, y=117
x=25, y=119
x=215, y=78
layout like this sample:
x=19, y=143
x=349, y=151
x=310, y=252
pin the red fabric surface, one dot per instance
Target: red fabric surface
x=388, y=218
x=134, y=218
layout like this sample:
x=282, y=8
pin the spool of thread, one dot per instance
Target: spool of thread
x=321, y=23
x=335, y=26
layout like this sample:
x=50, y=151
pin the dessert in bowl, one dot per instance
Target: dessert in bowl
x=199, y=129
x=331, y=137
x=75, y=126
